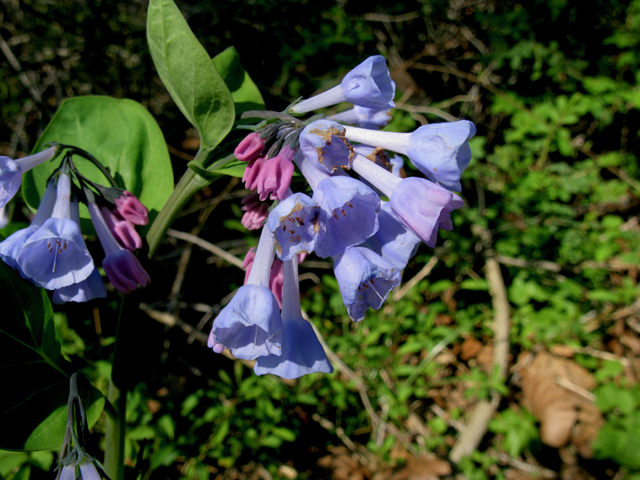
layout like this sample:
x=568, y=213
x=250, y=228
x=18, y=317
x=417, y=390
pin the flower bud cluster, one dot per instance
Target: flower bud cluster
x=51, y=251
x=370, y=239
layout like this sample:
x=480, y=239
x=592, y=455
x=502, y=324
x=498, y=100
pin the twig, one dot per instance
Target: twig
x=426, y=270
x=519, y=464
x=379, y=17
x=424, y=109
x=233, y=260
x=563, y=382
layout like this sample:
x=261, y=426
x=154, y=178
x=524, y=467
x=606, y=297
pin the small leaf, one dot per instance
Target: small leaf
x=33, y=404
x=120, y=133
x=189, y=74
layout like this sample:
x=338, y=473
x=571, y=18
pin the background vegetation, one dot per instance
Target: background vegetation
x=553, y=205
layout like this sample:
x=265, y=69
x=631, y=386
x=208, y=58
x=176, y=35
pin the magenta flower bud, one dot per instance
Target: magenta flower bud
x=249, y=148
x=275, y=175
x=123, y=230
x=256, y=212
x=130, y=208
x=275, y=277
x=251, y=172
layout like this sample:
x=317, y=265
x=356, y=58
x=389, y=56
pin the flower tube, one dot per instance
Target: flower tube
x=302, y=352
x=56, y=256
x=370, y=118
x=250, y=326
x=440, y=150
x=368, y=85
x=11, y=171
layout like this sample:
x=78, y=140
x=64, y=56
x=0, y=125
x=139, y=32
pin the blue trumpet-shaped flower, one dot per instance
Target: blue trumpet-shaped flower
x=365, y=280
x=368, y=85
x=371, y=118
x=250, y=326
x=440, y=150
x=11, y=171
x=393, y=241
x=56, y=256
x=10, y=248
x=302, y=352
x=88, y=289
x=294, y=224
x=324, y=145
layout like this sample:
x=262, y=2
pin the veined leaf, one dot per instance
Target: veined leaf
x=245, y=93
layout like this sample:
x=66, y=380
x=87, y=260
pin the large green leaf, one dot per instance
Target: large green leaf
x=189, y=74
x=120, y=133
x=245, y=93
x=35, y=377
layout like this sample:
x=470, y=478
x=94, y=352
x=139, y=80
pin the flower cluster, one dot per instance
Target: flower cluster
x=51, y=251
x=370, y=240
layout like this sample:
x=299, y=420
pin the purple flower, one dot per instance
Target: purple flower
x=294, y=224
x=421, y=205
x=302, y=352
x=88, y=289
x=56, y=256
x=123, y=230
x=132, y=209
x=364, y=117
x=440, y=150
x=275, y=175
x=255, y=212
x=121, y=266
x=323, y=144
x=11, y=171
x=250, y=147
x=250, y=325
x=368, y=85
x=393, y=241
x=11, y=246
x=348, y=215
x=365, y=280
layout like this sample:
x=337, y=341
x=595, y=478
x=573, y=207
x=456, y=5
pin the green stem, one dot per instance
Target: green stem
x=115, y=433
x=186, y=188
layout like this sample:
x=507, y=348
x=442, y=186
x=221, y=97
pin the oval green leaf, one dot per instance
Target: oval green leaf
x=120, y=133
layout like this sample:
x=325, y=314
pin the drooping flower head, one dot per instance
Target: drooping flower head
x=368, y=85
x=255, y=212
x=302, y=352
x=11, y=171
x=56, y=256
x=130, y=208
x=123, y=230
x=250, y=326
x=365, y=280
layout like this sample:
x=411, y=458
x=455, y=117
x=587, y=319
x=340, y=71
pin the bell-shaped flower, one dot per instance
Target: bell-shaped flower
x=294, y=224
x=123, y=230
x=132, y=209
x=275, y=277
x=249, y=148
x=88, y=289
x=371, y=118
x=440, y=150
x=250, y=326
x=255, y=212
x=368, y=85
x=11, y=171
x=10, y=248
x=302, y=352
x=121, y=266
x=275, y=175
x=419, y=204
x=365, y=280
x=348, y=209
x=393, y=241
x=324, y=145
x=56, y=256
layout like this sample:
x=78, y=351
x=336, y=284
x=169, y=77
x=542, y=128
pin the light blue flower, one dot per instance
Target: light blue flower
x=302, y=352
x=324, y=145
x=294, y=224
x=393, y=241
x=368, y=85
x=11, y=171
x=371, y=118
x=88, y=289
x=365, y=280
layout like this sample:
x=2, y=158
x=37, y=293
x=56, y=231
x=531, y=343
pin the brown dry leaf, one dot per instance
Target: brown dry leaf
x=470, y=348
x=553, y=405
x=343, y=465
x=563, y=351
x=485, y=358
x=420, y=468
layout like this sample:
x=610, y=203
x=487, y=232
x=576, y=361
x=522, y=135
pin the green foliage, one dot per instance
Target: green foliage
x=33, y=407
x=519, y=430
x=123, y=136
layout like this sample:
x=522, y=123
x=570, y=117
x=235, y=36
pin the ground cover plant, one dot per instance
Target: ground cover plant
x=507, y=350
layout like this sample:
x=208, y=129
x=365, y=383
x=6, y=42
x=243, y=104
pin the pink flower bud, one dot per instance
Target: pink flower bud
x=249, y=148
x=122, y=229
x=275, y=175
x=256, y=212
x=130, y=208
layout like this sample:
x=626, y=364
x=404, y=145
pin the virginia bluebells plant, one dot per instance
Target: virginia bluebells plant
x=360, y=211
x=51, y=252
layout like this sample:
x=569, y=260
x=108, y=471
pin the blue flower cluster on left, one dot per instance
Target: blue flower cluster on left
x=51, y=251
